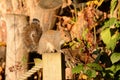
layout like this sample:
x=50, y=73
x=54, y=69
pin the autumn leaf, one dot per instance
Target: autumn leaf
x=2, y=44
x=66, y=3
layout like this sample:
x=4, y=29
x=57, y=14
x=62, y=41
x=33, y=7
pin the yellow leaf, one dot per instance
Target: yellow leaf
x=2, y=44
x=84, y=76
x=100, y=2
x=37, y=61
x=92, y=3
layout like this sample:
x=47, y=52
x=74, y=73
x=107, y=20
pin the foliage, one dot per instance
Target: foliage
x=96, y=34
x=78, y=68
x=115, y=57
x=113, y=6
x=89, y=69
x=106, y=63
x=112, y=36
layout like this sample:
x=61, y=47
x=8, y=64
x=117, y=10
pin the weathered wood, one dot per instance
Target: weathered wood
x=3, y=31
x=68, y=74
x=46, y=15
x=53, y=66
x=44, y=10
x=15, y=48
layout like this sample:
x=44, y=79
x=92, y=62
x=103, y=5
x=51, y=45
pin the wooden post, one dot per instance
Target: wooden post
x=16, y=56
x=53, y=66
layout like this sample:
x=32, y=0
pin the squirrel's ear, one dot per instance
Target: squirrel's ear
x=63, y=29
x=66, y=29
x=60, y=27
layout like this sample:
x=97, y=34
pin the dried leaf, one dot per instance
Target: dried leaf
x=66, y=3
x=2, y=44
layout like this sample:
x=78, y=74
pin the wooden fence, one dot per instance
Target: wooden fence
x=53, y=67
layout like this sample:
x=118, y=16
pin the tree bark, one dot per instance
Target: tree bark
x=46, y=16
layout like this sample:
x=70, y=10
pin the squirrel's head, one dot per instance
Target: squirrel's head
x=66, y=36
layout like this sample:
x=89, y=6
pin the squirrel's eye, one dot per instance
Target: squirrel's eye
x=33, y=35
x=65, y=35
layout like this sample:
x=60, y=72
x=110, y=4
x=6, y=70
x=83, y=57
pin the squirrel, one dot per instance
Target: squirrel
x=31, y=35
x=52, y=40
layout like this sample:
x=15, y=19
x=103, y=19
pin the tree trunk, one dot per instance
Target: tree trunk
x=46, y=15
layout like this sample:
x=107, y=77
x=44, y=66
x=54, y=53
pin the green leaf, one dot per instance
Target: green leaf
x=84, y=34
x=117, y=67
x=117, y=24
x=37, y=61
x=24, y=59
x=72, y=45
x=106, y=36
x=90, y=73
x=114, y=68
x=95, y=66
x=114, y=40
x=79, y=40
x=109, y=40
x=110, y=22
x=113, y=6
x=115, y=57
x=77, y=69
